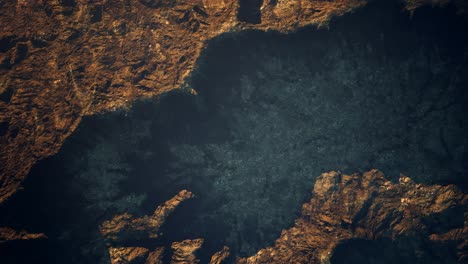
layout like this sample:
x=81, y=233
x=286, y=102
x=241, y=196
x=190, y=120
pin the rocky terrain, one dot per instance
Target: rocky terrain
x=343, y=208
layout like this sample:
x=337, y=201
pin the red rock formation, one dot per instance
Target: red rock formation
x=368, y=207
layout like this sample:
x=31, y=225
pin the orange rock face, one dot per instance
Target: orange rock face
x=62, y=60
x=369, y=207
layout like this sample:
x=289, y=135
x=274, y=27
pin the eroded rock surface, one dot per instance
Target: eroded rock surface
x=369, y=207
x=61, y=60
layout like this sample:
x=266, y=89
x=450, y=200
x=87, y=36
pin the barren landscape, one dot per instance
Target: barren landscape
x=193, y=131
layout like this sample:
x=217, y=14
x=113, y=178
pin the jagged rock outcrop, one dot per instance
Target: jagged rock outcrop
x=369, y=207
x=155, y=257
x=125, y=226
x=220, y=256
x=184, y=251
x=10, y=234
x=62, y=60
